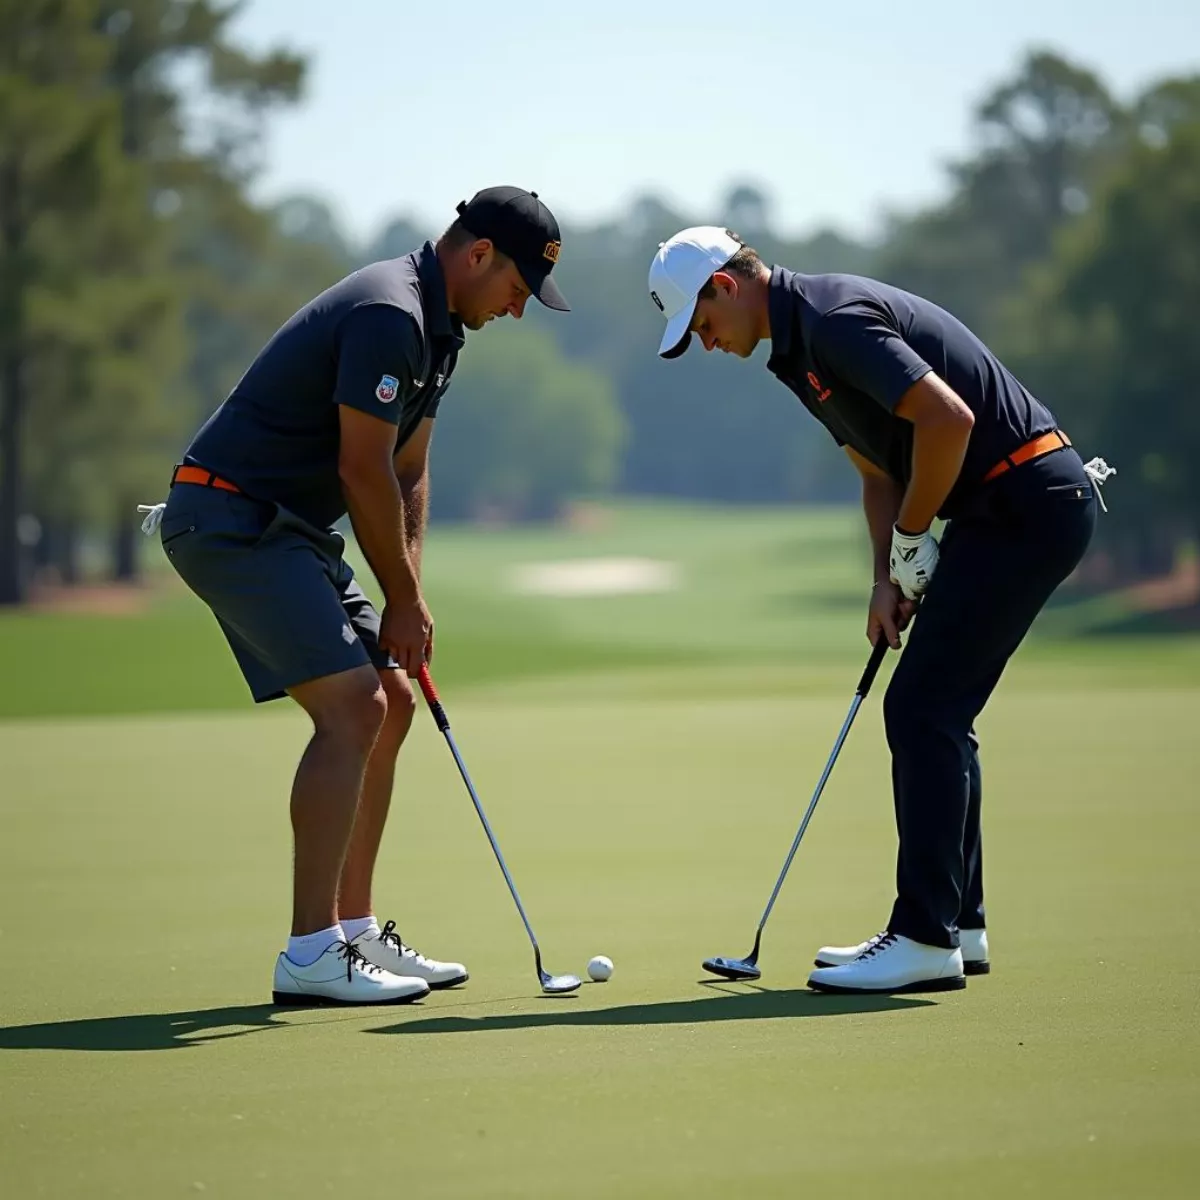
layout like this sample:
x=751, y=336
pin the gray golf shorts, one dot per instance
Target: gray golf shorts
x=283, y=595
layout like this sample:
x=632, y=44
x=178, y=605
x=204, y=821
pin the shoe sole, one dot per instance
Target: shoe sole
x=448, y=983
x=308, y=1000
x=969, y=968
x=952, y=984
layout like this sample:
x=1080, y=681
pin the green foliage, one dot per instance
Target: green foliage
x=1043, y=140
x=93, y=173
x=523, y=429
x=1109, y=323
x=86, y=319
x=137, y=282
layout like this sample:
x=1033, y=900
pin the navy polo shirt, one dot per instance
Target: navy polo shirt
x=381, y=340
x=851, y=347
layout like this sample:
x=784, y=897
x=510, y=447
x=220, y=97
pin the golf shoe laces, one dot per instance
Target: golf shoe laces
x=881, y=941
x=390, y=937
x=355, y=957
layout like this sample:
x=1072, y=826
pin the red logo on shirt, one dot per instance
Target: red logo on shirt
x=823, y=393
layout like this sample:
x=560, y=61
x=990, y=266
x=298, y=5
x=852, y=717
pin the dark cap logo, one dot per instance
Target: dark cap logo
x=654, y=297
x=551, y=251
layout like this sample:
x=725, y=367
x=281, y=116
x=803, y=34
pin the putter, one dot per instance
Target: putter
x=747, y=968
x=552, y=985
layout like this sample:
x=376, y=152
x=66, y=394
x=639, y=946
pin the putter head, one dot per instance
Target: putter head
x=732, y=968
x=738, y=968
x=557, y=985
x=554, y=985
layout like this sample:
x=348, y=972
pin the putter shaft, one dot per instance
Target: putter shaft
x=443, y=723
x=878, y=652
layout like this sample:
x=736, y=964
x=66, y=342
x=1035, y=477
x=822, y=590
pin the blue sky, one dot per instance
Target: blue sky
x=839, y=112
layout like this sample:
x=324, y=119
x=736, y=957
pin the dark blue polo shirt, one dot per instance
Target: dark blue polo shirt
x=851, y=347
x=381, y=340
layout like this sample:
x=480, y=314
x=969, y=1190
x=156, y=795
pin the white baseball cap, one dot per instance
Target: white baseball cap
x=682, y=266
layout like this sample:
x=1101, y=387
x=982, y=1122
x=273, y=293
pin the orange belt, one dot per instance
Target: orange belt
x=185, y=474
x=1055, y=440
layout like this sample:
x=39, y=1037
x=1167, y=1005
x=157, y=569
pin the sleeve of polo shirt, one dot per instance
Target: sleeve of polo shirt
x=379, y=355
x=859, y=344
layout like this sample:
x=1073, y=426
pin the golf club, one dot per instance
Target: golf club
x=747, y=968
x=553, y=985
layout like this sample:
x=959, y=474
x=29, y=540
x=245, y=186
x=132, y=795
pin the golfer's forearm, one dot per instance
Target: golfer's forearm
x=415, y=500
x=376, y=507
x=939, y=447
x=881, y=503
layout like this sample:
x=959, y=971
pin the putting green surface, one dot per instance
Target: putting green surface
x=144, y=889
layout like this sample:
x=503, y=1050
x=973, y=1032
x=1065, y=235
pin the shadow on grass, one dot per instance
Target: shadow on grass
x=757, y=1005
x=144, y=1031
x=179, y=1030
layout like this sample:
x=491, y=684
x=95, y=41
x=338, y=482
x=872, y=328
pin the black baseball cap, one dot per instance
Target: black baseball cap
x=520, y=225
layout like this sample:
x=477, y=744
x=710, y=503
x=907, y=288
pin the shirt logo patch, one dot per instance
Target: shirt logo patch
x=386, y=391
x=823, y=393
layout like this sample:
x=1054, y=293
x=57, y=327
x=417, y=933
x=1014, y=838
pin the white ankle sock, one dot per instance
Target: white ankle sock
x=306, y=949
x=356, y=926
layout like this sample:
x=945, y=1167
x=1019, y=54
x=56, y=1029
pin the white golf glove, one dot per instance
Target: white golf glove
x=913, y=560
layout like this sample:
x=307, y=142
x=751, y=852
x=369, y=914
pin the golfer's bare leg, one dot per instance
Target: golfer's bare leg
x=347, y=710
x=354, y=897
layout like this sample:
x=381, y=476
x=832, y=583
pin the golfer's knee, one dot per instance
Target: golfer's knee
x=401, y=705
x=349, y=710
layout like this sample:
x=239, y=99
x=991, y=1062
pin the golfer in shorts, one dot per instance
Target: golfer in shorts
x=334, y=418
x=937, y=427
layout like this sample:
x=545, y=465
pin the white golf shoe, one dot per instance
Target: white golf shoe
x=342, y=975
x=386, y=950
x=972, y=942
x=894, y=964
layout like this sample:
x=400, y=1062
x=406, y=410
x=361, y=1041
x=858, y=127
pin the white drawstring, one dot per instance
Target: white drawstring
x=154, y=516
x=1097, y=470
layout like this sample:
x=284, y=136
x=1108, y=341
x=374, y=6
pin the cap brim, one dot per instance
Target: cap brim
x=544, y=288
x=677, y=337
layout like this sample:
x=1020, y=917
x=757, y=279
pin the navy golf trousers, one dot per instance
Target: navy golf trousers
x=1001, y=559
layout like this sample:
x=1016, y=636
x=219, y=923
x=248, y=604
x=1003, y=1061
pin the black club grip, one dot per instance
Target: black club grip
x=872, y=668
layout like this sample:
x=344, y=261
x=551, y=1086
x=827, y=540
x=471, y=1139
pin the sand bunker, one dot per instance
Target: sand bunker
x=595, y=577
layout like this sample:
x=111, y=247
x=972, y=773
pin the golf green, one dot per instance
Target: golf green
x=144, y=893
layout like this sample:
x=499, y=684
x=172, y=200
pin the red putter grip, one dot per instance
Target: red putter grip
x=430, y=692
x=426, y=681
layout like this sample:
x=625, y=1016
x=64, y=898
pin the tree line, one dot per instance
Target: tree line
x=137, y=280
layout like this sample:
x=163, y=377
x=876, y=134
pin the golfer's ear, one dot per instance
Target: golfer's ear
x=724, y=282
x=480, y=252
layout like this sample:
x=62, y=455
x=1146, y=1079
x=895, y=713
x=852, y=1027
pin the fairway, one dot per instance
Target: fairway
x=144, y=885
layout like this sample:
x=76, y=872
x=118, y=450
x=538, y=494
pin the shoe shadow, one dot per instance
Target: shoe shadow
x=754, y=1006
x=182, y=1030
x=144, y=1031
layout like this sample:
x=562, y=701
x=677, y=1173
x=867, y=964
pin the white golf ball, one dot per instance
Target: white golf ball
x=600, y=968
